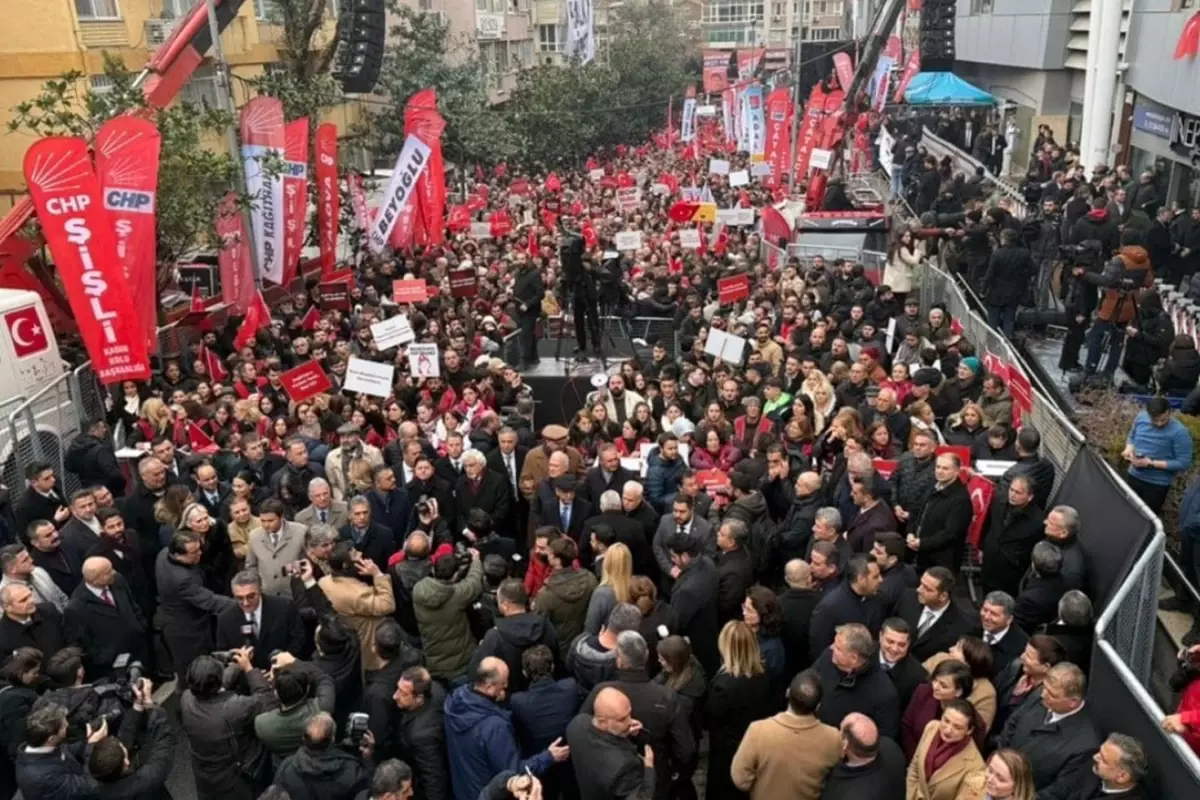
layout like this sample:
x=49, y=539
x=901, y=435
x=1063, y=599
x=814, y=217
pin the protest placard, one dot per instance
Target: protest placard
x=304, y=381
x=409, y=291
x=464, y=282
x=739, y=178
x=369, y=377
x=627, y=241
x=689, y=239
x=718, y=166
x=423, y=361
x=392, y=332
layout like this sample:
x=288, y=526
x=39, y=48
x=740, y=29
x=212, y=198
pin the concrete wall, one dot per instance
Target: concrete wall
x=1153, y=72
x=1030, y=34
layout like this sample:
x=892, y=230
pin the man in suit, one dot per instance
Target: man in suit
x=82, y=530
x=264, y=622
x=895, y=639
x=633, y=498
x=542, y=494
x=41, y=500
x=682, y=520
x=996, y=628
x=420, y=732
x=450, y=466
x=479, y=487
x=322, y=508
x=853, y=601
x=1013, y=526
x=45, y=548
x=1119, y=771
x=735, y=571
x=105, y=620
x=607, y=474
x=138, y=509
x=613, y=767
x=373, y=541
x=390, y=504
x=163, y=449
x=567, y=513
x=27, y=623
x=796, y=605
x=273, y=547
x=628, y=532
x=211, y=491
x=931, y=612
x=1041, y=588
x=1056, y=734
x=897, y=576
x=508, y=459
x=121, y=548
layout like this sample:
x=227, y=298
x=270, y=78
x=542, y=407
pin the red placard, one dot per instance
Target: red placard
x=733, y=288
x=304, y=381
x=885, y=466
x=335, y=294
x=711, y=480
x=995, y=365
x=463, y=283
x=981, y=491
x=520, y=188
x=409, y=291
x=1021, y=392
x=963, y=453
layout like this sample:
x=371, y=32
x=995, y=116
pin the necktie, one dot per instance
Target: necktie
x=565, y=515
x=253, y=626
x=682, y=530
x=925, y=622
x=887, y=666
x=324, y=516
x=512, y=471
x=106, y=597
x=990, y=638
x=212, y=499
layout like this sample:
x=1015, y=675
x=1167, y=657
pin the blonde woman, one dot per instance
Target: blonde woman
x=739, y=694
x=968, y=427
x=1009, y=777
x=247, y=412
x=824, y=404
x=361, y=478
x=154, y=420
x=241, y=522
x=922, y=417
x=616, y=574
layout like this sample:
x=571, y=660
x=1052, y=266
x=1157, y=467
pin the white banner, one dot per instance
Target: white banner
x=626, y=241
x=820, y=158
x=266, y=218
x=739, y=178
x=727, y=117
x=687, y=123
x=689, y=239
x=581, y=33
x=885, y=142
x=369, y=377
x=423, y=361
x=718, y=166
x=411, y=163
x=743, y=127
x=757, y=120
x=392, y=332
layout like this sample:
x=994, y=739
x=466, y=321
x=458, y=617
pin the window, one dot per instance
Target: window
x=174, y=9
x=549, y=40
x=102, y=85
x=266, y=10
x=981, y=6
x=97, y=9
x=202, y=90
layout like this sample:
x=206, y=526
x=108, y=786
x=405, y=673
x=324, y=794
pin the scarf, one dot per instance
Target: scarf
x=941, y=752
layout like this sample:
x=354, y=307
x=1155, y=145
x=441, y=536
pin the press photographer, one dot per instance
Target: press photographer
x=321, y=768
x=302, y=691
x=134, y=764
x=1121, y=279
x=1078, y=295
x=581, y=292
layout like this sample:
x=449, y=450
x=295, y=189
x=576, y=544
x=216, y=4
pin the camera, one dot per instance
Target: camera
x=462, y=556
x=293, y=569
x=424, y=509
x=356, y=727
x=224, y=656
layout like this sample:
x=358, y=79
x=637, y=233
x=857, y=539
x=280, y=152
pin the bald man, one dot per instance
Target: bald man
x=480, y=737
x=871, y=766
x=103, y=618
x=613, y=768
x=322, y=769
x=797, y=605
x=796, y=530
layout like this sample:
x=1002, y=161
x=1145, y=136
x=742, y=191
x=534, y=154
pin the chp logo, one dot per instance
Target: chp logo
x=27, y=332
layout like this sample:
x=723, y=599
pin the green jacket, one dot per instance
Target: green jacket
x=282, y=732
x=441, y=610
x=564, y=600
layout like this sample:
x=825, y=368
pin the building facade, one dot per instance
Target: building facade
x=730, y=24
x=45, y=39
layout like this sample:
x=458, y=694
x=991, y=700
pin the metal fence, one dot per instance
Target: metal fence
x=873, y=262
x=39, y=429
x=963, y=162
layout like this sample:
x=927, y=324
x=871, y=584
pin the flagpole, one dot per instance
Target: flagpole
x=796, y=112
x=225, y=98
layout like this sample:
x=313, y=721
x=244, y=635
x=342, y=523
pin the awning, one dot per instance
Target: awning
x=944, y=89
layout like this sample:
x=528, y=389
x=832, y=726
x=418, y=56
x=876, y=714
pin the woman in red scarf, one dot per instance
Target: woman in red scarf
x=947, y=764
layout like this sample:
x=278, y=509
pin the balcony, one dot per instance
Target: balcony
x=103, y=33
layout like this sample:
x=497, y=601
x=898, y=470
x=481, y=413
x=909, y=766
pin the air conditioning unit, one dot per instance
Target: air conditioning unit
x=441, y=16
x=158, y=31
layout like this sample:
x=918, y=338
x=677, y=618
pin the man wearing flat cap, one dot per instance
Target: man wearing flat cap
x=350, y=447
x=537, y=463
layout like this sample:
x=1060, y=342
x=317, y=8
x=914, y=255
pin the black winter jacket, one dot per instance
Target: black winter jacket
x=330, y=774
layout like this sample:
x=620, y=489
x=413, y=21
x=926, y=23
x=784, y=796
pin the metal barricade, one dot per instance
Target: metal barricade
x=39, y=431
x=510, y=348
x=963, y=162
x=662, y=328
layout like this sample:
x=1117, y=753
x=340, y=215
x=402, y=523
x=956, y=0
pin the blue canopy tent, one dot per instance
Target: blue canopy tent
x=944, y=89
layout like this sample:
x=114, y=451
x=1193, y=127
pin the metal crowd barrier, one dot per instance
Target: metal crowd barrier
x=965, y=163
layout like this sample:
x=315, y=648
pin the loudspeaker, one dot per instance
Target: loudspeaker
x=362, y=31
x=937, y=35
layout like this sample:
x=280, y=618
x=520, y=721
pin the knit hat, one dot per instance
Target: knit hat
x=972, y=363
x=927, y=376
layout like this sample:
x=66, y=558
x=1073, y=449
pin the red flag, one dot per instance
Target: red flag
x=421, y=119
x=479, y=176
x=683, y=211
x=501, y=170
x=216, y=367
x=459, y=219
x=519, y=188
x=622, y=150
x=199, y=441
x=625, y=180
x=329, y=200
x=501, y=223
x=778, y=134
x=310, y=319
x=981, y=491
x=197, y=306
x=532, y=243
x=722, y=243
x=703, y=248
x=127, y=157
x=592, y=164
x=589, y=234
x=744, y=199
x=549, y=219
x=69, y=203
x=911, y=68
x=474, y=204
x=258, y=316
x=775, y=226
x=358, y=200
x=843, y=65
x=295, y=195
x=670, y=181
x=1189, y=38
x=237, y=276
x=553, y=184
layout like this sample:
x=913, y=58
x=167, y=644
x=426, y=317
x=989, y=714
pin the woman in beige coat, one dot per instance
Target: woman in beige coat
x=947, y=764
x=977, y=655
x=905, y=255
x=363, y=606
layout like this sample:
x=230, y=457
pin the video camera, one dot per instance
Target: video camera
x=117, y=694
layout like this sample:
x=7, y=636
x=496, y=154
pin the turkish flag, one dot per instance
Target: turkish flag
x=27, y=332
x=459, y=219
x=981, y=491
x=589, y=234
x=625, y=180
x=199, y=441
x=216, y=368
x=257, y=316
x=553, y=184
x=197, y=306
x=1189, y=38
x=310, y=319
x=682, y=211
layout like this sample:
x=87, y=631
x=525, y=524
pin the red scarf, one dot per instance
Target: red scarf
x=940, y=752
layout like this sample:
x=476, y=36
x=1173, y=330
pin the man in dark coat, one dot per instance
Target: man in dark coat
x=931, y=612
x=896, y=659
x=1056, y=735
x=939, y=535
x=1013, y=526
x=185, y=607
x=1032, y=465
x=421, y=733
x=567, y=511
x=390, y=504
x=607, y=474
x=379, y=685
x=795, y=532
x=92, y=458
x=735, y=572
x=914, y=480
x=516, y=630
x=541, y=714
x=29, y=624
x=48, y=768
x=136, y=762
x=1006, y=281
x=796, y=604
x=104, y=620
x=1041, y=588
x=372, y=540
x=613, y=767
x=42, y=499
x=896, y=576
x=853, y=601
x=138, y=509
x=851, y=680
x=696, y=583
x=665, y=719
x=320, y=770
x=122, y=549
x=872, y=765
x=507, y=460
x=262, y=621
x=874, y=517
x=480, y=487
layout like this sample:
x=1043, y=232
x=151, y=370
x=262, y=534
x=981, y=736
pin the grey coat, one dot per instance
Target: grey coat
x=220, y=735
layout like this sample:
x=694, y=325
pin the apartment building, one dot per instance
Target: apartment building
x=44, y=39
x=729, y=24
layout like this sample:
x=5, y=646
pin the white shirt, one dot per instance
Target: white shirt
x=93, y=524
x=510, y=466
x=994, y=638
x=99, y=592
x=255, y=619
x=408, y=474
x=1053, y=717
x=929, y=616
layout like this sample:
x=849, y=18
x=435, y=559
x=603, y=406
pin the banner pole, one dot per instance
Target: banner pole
x=225, y=97
x=796, y=113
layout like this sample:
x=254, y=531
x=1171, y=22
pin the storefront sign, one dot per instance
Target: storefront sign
x=1152, y=118
x=1185, y=137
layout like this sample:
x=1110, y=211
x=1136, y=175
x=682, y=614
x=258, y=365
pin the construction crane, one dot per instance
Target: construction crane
x=166, y=73
x=882, y=24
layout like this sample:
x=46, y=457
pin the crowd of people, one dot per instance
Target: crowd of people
x=704, y=582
